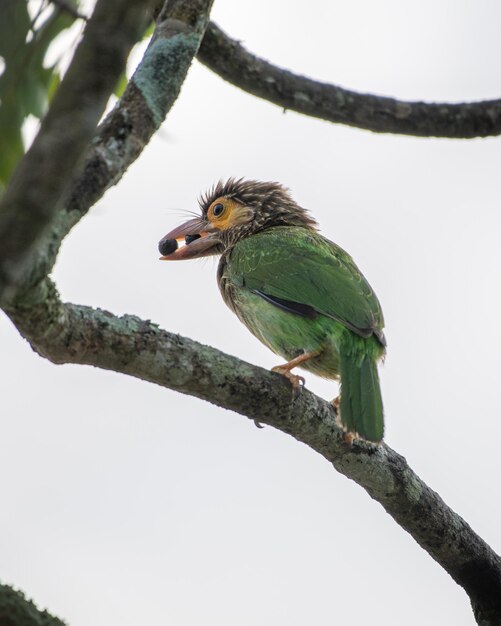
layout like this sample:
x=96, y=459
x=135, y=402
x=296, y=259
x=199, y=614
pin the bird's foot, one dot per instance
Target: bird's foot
x=336, y=403
x=285, y=370
x=349, y=438
x=296, y=381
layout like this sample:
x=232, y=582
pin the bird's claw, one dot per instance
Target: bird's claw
x=296, y=381
x=336, y=403
x=349, y=438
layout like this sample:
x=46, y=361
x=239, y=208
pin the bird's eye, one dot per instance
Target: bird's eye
x=218, y=209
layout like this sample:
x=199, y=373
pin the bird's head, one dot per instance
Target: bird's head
x=231, y=211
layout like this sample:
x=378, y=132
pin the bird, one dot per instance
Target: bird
x=296, y=291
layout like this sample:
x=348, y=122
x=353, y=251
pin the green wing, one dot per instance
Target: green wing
x=300, y=266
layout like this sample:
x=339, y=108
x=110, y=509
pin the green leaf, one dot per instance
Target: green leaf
x=121, y=85
x=149, y=31
x=26, y=86
x=55, y=81
x=11, y=142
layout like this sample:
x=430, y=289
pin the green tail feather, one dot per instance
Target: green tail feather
x=361, y=402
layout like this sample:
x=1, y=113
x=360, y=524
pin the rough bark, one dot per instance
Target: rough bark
x=119, y=140
x=228, y=58
x=67, y=333
x=32, y=197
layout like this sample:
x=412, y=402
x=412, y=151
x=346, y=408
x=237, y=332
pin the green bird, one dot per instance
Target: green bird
x=297, y=292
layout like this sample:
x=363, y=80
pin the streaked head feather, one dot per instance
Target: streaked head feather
x=271, y=203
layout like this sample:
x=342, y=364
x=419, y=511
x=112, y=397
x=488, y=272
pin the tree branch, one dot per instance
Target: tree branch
x=44, y=175
x=127, y=129
x=147, y=99
x=231, y=61
x=67, y=333
x=36, y=188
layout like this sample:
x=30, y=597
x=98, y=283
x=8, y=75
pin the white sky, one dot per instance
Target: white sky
x=125, y=503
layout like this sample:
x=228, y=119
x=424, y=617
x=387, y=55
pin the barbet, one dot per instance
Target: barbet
x=296, y=291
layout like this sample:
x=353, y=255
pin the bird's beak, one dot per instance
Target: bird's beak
x=199, y=236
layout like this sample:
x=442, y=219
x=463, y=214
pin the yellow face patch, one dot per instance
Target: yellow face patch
x=225, y=212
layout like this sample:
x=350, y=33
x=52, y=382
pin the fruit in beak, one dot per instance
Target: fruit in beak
x=199, y=236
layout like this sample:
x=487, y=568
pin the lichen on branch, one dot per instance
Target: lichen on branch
x=230, y=60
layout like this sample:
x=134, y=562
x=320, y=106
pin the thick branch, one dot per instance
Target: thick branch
x=147, y=99
x=37, y=186
x=127, y=129
x=77, y=334
x=329, y=102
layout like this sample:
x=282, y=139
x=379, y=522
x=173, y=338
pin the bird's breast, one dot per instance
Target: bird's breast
x=286, y=333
